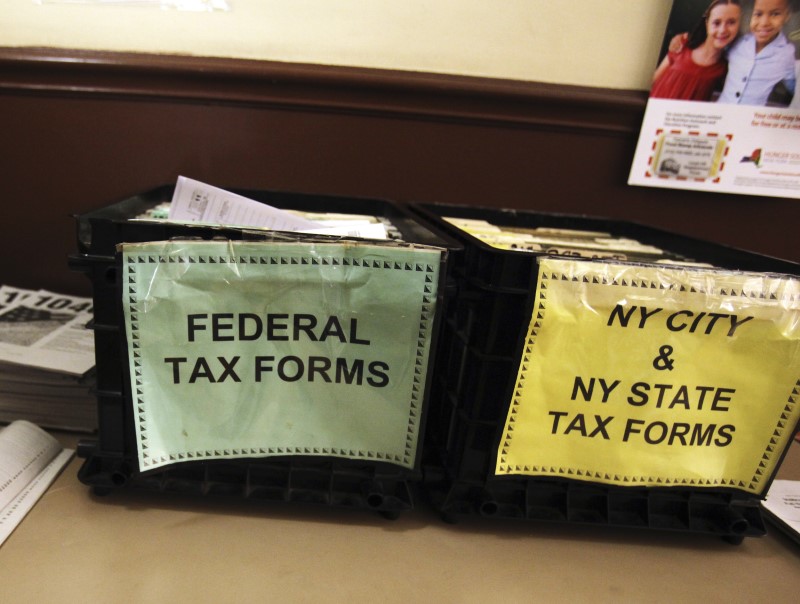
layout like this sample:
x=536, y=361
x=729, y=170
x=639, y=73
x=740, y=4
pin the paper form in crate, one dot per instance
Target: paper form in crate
x=194, y=201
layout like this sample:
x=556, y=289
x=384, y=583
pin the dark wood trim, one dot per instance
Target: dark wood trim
x=319, y=88
x=83, y=129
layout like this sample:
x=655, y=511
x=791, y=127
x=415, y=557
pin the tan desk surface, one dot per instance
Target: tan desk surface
x=150, y=547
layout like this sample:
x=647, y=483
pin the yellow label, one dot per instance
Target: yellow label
x=687, y=156
x=655, y=376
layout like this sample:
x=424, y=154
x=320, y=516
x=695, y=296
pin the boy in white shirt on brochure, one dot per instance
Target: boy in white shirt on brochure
x=761, y=59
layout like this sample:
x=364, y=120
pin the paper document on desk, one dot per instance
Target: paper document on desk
x=11, y=295
x=30, y=460
x=783, y=506
x=47, y=330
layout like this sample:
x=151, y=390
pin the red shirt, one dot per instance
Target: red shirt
x=686, y=80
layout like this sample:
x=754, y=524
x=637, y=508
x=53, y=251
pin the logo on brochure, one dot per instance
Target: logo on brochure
x=753, y=158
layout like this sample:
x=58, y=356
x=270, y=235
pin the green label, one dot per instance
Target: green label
x=257, y=349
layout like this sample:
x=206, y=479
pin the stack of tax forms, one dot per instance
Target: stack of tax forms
x=572, y=243
x=200, y=203
x=46, y=359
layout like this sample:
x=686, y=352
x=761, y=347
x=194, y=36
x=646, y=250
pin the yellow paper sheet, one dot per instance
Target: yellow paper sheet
x=655, y=376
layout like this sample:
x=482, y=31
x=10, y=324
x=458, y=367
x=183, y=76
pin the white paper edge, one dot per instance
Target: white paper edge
x=18, y=508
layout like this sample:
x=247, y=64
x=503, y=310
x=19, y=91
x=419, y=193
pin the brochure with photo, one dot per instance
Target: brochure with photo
x=724, y=112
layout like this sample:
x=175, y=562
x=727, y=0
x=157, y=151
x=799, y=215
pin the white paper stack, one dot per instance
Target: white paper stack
x=46, y=359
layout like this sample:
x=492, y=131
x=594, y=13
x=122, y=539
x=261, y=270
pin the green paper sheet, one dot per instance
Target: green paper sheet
x=257, y=349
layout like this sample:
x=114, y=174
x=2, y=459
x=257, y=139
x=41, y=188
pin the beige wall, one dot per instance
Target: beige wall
x=601, y=43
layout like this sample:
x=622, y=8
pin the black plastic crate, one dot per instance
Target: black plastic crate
x=111, y=460
x=718, y=514
x=479, y=382
x=488, y=319
x=483, y=344
x=514, y=271
x=99, y=231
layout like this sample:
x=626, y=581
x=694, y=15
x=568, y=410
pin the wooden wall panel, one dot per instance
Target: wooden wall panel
x=78, y=135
